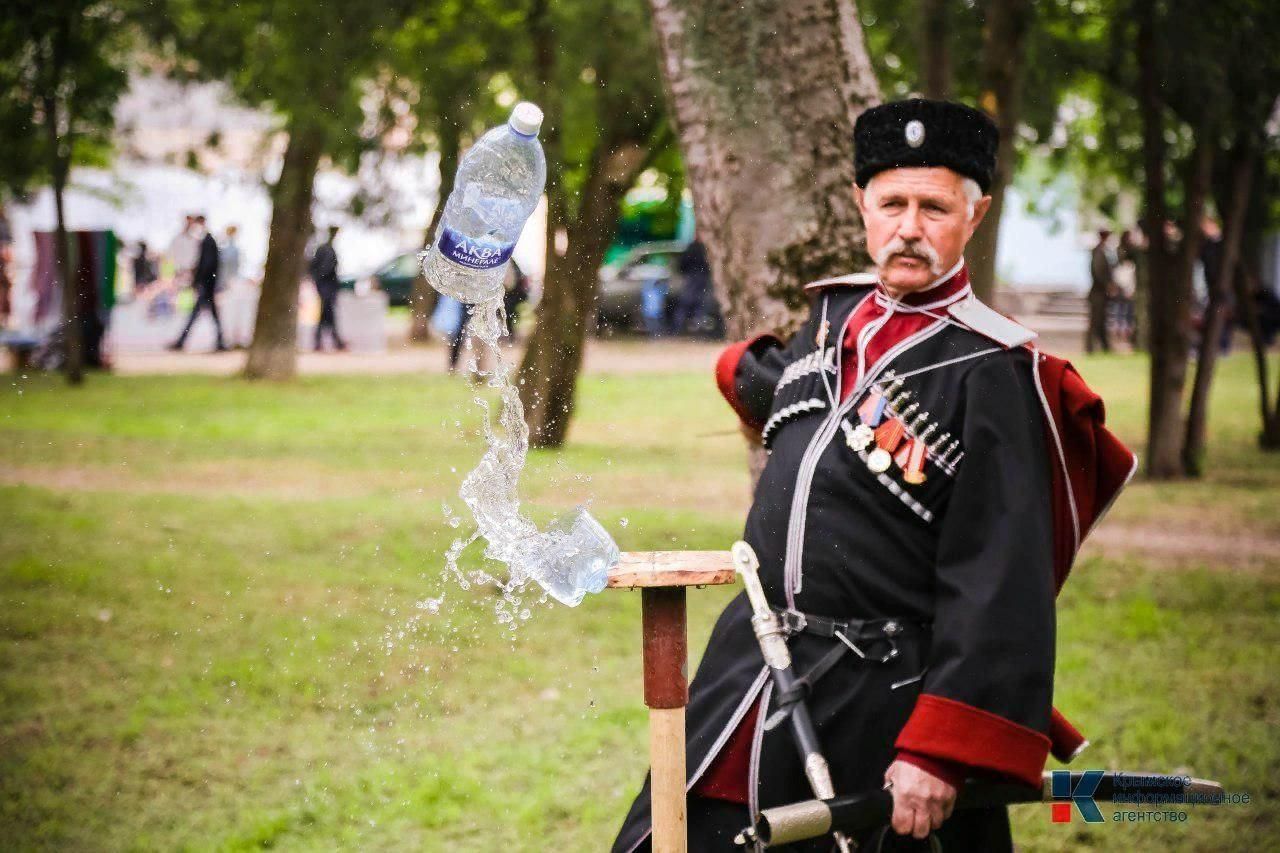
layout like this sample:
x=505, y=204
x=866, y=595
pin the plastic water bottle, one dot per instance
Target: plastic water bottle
x=497, y=187
x=573, y=559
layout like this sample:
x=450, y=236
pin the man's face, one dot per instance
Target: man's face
x=918, y=222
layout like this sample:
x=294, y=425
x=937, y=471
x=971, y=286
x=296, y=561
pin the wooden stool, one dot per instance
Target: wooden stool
x=661, y=577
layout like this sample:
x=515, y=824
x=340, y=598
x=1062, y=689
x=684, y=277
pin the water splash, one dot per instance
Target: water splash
x=569, y=559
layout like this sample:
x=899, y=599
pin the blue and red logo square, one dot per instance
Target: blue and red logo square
x=1065, y=796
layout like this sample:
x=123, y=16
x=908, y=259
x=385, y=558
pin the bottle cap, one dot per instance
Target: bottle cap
x=526, y=118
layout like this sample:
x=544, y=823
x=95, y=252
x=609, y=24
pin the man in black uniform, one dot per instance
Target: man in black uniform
x=903, y=523
x=204, y=278
x=324, y=273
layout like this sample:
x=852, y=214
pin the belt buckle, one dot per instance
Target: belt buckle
x=857, y=650
x=793, y=622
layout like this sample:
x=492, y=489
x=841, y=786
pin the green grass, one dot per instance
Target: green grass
x=210, y=632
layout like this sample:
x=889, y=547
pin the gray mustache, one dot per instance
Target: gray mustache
x=915, y=249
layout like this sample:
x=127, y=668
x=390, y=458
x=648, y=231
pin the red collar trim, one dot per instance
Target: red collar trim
x=952, y=286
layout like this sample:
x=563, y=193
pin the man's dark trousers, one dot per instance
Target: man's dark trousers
x=329, y=318
x=205, y=279
x=204, y=299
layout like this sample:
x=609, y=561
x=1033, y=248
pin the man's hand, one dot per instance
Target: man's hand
x=921, y=801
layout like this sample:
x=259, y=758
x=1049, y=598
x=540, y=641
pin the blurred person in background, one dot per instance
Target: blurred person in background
x=450, y=320
x=144, y=269
x=516, y=293
x=184, y=252
x=159, y=295
x=228, y=259
x=240, y=302
x=1211, y=266
x=1102, y=264
x=696, y=272
x=1125, y=276
x=324, y=274
x=653, y=305
x=145, y=274
x=1133, y=251
x=204, y=277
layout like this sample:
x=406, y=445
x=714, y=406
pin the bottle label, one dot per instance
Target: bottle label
x=473, y=254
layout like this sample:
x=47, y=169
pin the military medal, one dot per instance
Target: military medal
x=879, y=460
x=904, y=452
x=860, y=438
x=914, y=470
x=887, y=436
x=872, y=409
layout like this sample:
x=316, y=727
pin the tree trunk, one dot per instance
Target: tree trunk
x=274, y=351
x=553, y=358
x=1004, y=51
x=68, y=281
x=1247, y=282
x=1269, y=438
x=1165, y=337
x=1218, y=312
x=764, y=104
x=72, y=316
x=1170, y=325
x=423, y=299
x=935, y=48
x=1141, y=299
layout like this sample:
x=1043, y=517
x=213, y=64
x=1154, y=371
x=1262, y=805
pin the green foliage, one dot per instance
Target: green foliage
x=311, y=61
x=1220, y=64
x=67, y=58
x=896, y=45
x=451, y=58
x=1062, y=39
x=604, y=87
x=1079, y=111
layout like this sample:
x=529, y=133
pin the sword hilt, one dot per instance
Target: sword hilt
x=747, y=565
x=765, y=623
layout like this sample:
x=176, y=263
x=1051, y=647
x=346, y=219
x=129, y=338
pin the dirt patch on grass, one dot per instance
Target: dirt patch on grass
x=228, y=478
x=619, y=355
x=1173, y=546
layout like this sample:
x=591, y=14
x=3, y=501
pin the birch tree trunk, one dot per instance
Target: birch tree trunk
x=764, y=97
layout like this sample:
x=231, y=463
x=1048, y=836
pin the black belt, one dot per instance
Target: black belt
x=795, y=622
x=851, y=633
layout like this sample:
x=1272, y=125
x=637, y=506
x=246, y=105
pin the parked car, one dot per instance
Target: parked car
x=618, y=306
x=395, y=278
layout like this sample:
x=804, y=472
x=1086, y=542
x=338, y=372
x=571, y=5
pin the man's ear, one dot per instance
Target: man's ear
x=980, y=208
x=858, y=197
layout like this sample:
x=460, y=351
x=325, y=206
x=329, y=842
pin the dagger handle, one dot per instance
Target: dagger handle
x=744, y=560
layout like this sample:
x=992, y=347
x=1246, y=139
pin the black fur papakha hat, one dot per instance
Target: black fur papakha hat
x=921, y=132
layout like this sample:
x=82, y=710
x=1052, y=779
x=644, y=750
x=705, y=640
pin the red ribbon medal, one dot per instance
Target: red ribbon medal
x=914, y=469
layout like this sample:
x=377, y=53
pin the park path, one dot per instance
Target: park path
x=629, y=355
x=1060, y=334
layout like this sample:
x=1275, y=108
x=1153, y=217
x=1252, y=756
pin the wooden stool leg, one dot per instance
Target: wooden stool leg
x=666, y=692
x=666, y=752
x=663, y=576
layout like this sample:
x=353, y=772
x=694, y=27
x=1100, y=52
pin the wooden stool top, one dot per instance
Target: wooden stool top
x=648, y=569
